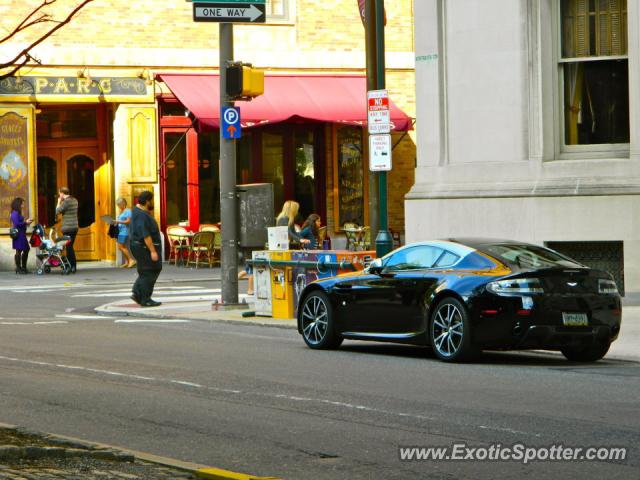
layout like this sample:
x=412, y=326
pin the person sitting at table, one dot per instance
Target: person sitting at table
x=311, y=231
x=287, y=218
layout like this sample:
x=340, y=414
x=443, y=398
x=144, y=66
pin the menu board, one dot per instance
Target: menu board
x=14, y=161
x=350, y=176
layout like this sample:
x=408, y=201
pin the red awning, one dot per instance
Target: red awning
x=334, y=99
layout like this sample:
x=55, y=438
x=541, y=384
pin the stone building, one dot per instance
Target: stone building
x=529, y=126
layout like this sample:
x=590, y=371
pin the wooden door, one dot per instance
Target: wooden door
x=73, y=167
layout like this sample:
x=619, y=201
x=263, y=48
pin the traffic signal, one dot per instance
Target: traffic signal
x=244, y=81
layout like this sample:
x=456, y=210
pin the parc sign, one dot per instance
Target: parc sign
x=229, y=11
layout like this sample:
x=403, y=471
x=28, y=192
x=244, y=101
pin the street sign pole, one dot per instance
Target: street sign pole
x=229, y=247
x=372, y=84
x=374, y=20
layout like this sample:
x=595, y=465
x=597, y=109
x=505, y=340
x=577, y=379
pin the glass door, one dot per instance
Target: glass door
x=74, y=168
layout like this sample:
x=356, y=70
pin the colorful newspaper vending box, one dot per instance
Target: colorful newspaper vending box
x=262, y=283
x=282, y=286
x=359, y=260
x=303, y=276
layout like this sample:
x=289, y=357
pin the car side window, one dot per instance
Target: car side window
x=446, y=259
x=414, y=258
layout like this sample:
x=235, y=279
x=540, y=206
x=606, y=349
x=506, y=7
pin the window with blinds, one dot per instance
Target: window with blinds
x=595, y=71
x=594, y=28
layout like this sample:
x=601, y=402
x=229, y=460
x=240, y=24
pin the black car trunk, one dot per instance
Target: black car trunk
x=567, y=281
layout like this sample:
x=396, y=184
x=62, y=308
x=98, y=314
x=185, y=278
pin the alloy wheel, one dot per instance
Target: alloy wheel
x=447, y=330
x=315, y=315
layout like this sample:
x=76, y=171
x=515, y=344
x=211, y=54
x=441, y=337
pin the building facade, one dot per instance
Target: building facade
x=529, y=121
x=97, y=113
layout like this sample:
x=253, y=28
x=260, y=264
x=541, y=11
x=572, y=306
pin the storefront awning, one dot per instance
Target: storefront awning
x=334, y=99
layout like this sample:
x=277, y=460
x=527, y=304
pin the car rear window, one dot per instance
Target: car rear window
x=528, y=256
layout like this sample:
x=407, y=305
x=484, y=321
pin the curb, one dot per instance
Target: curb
x=109, y=452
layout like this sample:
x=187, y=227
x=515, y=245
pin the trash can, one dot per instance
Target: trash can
x=262, y=285
x=282, y=286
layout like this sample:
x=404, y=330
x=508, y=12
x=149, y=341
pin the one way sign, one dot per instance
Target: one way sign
x=229, y=12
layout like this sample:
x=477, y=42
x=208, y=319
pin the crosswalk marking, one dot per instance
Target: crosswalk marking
x=127, y=293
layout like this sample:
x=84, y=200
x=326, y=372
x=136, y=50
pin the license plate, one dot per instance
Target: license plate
x=575, y=319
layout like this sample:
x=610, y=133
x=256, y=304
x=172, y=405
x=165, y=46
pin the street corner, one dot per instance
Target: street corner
x=27, y=453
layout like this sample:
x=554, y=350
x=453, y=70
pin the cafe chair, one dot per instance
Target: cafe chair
x=202, y=248
x=208, y=227
x=178, y=242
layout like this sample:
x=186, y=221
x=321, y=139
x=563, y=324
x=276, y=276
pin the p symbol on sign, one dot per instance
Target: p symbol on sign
x=231, y=116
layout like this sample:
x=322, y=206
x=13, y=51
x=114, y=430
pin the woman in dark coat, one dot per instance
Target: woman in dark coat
x=20, y=243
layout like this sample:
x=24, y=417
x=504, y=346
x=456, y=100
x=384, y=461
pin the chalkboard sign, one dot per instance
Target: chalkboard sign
x=255, y=213
x=350, y=176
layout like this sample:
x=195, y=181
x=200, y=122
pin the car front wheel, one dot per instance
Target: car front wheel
x=318, y=329
x=587, y=353
x=450, y=331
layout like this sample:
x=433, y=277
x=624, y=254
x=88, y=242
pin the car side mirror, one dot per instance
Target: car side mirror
x=375, y=267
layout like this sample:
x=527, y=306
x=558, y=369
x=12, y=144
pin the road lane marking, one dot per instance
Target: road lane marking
x=247, y=393
x=83, y=317
x=54, y=322
x=153, y=320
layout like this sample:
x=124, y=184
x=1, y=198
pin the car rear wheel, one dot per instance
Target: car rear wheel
x=318, y=329
x=587, y=353
x=450, y=331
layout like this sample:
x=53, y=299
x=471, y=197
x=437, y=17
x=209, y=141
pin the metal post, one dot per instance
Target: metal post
x=372, y=84
x=374, y=19
x=229, y=247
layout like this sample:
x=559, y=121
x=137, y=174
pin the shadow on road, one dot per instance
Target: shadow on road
x=506, y=358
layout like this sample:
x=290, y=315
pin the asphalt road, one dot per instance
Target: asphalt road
x=255, y=399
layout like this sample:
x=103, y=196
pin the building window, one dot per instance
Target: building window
x=279, y=10
x=349, y=177
x=594, y=71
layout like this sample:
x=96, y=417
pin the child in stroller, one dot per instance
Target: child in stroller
x=49, y=254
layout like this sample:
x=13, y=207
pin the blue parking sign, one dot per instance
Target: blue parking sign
x=230, y=123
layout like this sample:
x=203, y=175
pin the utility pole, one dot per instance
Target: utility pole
x=374, y=26
x=229, y=247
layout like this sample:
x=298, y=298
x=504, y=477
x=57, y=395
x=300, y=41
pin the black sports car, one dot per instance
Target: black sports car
x=464, y=295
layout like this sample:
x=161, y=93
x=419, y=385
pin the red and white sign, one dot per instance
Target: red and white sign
x=378, y=111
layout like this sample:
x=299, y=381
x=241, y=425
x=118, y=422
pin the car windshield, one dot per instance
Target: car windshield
x=529, y=256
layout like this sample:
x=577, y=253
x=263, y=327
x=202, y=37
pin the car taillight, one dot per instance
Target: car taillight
x=516, y=285
x=607, y=286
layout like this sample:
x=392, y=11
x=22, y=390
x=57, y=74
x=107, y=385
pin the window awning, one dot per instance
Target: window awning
x=334, y=99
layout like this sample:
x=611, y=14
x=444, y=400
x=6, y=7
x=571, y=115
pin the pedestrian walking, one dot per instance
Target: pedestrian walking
x=145, y=243
x=287, y=218
x=20, y=243
x=68, y=208
x=122, y=240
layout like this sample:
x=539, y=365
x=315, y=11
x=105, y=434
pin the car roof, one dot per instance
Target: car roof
x=460, y=249
x=478, y=242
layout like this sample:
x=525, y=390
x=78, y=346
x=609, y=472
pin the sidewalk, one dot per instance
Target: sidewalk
x=626, y=347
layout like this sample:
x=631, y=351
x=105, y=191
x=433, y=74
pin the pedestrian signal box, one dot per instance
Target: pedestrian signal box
x=244, y=81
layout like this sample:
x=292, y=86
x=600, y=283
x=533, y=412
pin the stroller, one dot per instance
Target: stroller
x=49, y=253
